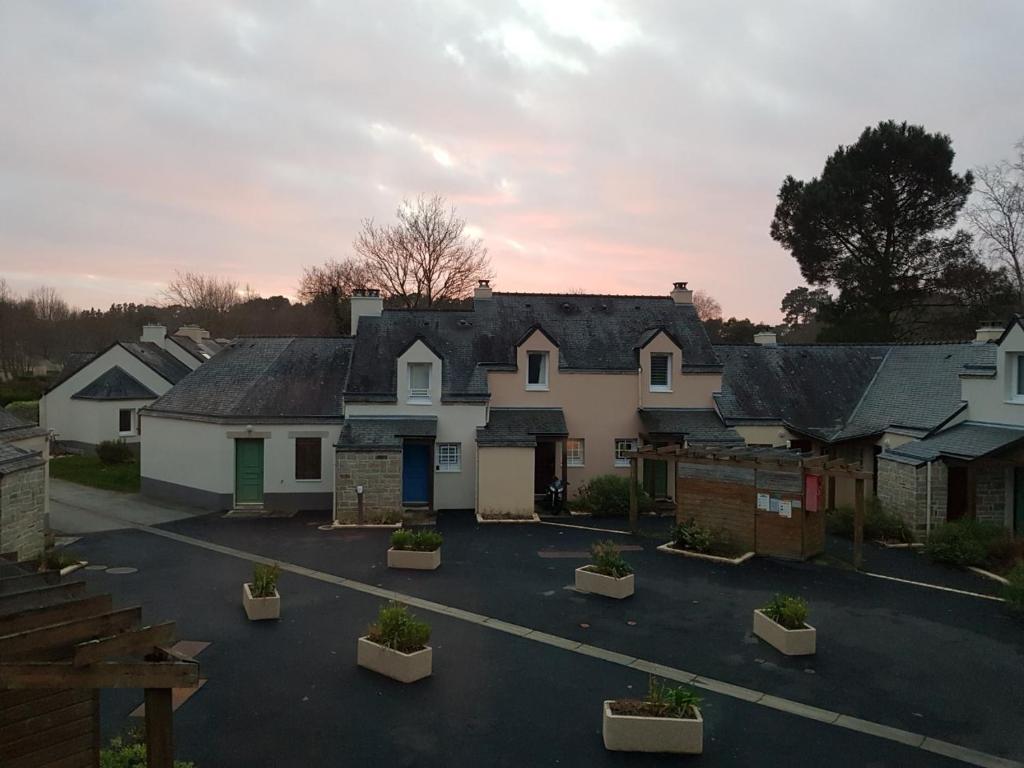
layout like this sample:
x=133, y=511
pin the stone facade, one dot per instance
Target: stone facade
x=380, y=474
x=22, y=512
x=903, y=490
x=991, y=497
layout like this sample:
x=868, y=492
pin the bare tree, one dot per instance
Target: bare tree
x=707, y=306
x=207, y=297
x=424, y=258
x=334, y=280
x=997, y=216
x=49, y=305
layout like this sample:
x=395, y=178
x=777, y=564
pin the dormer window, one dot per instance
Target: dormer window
x=661, y=372
x=419, y=382
x=536, y=370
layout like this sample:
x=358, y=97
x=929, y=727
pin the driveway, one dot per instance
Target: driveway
x=78, y=509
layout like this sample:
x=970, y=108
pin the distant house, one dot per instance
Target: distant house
x=98, y=397
x=254, y=427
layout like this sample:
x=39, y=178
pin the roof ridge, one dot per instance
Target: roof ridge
x=863, y=395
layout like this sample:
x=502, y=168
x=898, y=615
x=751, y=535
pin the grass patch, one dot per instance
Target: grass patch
x=89, y=470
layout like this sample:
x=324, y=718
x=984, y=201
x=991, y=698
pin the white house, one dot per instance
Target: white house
x=98, y=398
x=254, y=427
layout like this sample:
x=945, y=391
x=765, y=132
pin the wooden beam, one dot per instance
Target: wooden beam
x=55, y=614
x=634, y=503
x=858, y=524
x=40, y=596
x=69, y=633
x=104, y=674
x=159, y=728
x=11, y=584
x=126, y=643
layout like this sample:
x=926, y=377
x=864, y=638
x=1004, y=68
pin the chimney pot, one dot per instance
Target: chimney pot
x=483, y=291
x=680, y=293
x=765, y=338
x=988, y=332
x=365, y=302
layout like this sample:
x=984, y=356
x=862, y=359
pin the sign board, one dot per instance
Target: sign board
x=762, y=501
x=786, y=509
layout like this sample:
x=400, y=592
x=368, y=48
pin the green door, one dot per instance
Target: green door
x=1018, y=501
x=248, y=471
x=656, y=478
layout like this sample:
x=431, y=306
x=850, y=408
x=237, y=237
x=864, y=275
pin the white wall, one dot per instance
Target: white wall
x=93, y=421
x=201, y=455
x=992, y=400
x=456, y=423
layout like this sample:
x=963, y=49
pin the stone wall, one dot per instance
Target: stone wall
x=990, y=494
x=380, y=474
x=903, y=490
x=22, y=512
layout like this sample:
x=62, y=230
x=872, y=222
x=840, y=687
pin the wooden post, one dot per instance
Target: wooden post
x=830, y=498
x=633, y=501
x=159, y=728
x=858, y=523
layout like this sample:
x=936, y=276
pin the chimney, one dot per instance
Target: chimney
x=765, y=338
x=482, y=291
x=194, y=332
x=988, y=332
x=365, y=302
x=681, y=294
x=156, y=334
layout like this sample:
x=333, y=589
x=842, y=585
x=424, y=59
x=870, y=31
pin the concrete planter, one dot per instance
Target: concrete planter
x=533, y=517
x=792, y=642
x=669, y=549
x=634, y=733
x=609, y=586
x=403, y=667
x=258, y=608
x=414, y=559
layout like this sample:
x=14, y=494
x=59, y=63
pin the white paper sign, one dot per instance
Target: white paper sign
x=774, y=505
x=762, y=501
x=786, y=509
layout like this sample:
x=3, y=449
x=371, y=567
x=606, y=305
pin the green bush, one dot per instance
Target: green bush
x=689, y=534
x=879, y=525
x=264, y=579
x=608, y=560
x=21, y=389
x=129, y=752
x=966, y=542
x=1014, y=591
x=608, y=496
x=398, y=629
x=789, y=611
x=114, y=452
x=57, y=558
x=27, y=410
x=418, y=541
x=672, y=701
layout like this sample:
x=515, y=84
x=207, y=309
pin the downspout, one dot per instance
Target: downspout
x=928, y=504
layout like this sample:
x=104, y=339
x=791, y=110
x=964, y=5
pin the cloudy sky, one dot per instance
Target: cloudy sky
x=610, y=147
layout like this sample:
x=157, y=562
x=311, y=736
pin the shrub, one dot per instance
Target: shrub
x=114, y=452
x=608, y=560
x=27, y=410
x=608, y=496
x=1014, y=591
x=264, y=579
x=55, y=559
x=689, y=534
x=398, y=629
x=966, y=542
x=129, y=752
x=419, y=541
x=672, y=701
x=789, y=611
x=879, y=525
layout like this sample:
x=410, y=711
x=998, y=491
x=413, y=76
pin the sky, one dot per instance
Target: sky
x=598, y=146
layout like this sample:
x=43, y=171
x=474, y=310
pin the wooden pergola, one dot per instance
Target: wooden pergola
x=760, y=458
x=58, y=648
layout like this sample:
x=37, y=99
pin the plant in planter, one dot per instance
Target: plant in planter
x=419, y=550
x=782, y=623
x=260, y=597
x=692, y=539
x=667, y=720
x=396, y=645
x=608, y=574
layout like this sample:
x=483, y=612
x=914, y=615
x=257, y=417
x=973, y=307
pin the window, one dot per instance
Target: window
x=124, y=421
x=419, y=382
x=1018, y=391
x=661, y=372
x=623, y=445
x=307, y=458
x=574, y=452
x=449, y=457
x=537, y=370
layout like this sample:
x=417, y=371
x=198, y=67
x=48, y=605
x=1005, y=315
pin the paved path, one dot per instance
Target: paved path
x=78, y=509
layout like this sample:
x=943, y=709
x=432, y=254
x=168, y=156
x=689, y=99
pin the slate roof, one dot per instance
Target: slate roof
x=74, y=363
x=265, y=379
x=521, y=427
x=595, y=333
x=115, y=384
x=360, y=433
x=160, y=360
x=969, y=440
x=810, y=387
x=696, y=425
x=14, y=458
x=15, y=428
x=201, y=351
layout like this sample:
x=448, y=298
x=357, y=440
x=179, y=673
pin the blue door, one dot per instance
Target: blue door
x=416, y=473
